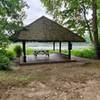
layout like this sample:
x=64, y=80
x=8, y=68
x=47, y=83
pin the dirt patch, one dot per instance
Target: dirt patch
x=68, y=81
x=67, y=91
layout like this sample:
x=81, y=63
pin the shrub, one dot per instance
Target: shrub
x=77, y=53
x=18, y=50
x=4, y=61
x=86, y=53
x=29, y=51
x=10, y=54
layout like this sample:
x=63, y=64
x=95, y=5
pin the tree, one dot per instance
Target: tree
x=95, y=28
x=11, y=20
x=73, y=14
x=11, y=16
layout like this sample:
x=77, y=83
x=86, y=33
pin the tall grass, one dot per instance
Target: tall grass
x=85, y=53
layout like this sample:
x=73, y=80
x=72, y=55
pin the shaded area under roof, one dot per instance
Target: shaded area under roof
x=45, y=30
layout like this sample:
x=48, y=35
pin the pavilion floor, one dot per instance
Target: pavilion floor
x=42, y=59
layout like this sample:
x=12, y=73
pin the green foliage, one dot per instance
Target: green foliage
x=10, y=54
x=4, y=60
x=70, y=13
x=2, y=52
x=18, y=50
x=11, y=19
x=29, y=51
x=11, y=15
x=73, y=14
x=4, y=63
x=4, y=41
x=76, y=53
x=86, y=53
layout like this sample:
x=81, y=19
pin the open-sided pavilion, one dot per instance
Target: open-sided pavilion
x=46, y=30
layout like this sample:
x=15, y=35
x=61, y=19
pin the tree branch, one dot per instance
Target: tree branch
x=88, y=26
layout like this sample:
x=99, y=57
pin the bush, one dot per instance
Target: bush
x=4, y=61
x=77, y=53
x=86, y=53
x=18, y=50
x=10, y=54
x=2, y=51
x=29, y=51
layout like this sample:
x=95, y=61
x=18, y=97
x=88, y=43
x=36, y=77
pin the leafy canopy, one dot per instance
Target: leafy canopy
x=73, y=14
x=11, y=16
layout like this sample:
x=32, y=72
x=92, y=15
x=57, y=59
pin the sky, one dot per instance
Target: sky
x=34, y=11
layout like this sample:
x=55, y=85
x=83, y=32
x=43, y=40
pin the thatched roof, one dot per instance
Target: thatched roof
x=46, y=30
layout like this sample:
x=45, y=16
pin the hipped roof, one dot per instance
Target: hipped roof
x=46, y=30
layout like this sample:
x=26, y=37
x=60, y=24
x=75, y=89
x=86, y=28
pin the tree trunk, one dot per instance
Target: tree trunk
x=95, y=29
x=87, y=23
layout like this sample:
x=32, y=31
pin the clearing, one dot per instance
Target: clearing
x=62, y=81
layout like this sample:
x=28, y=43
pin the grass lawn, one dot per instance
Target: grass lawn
x=64, y=81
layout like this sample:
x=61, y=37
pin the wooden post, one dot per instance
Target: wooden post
x=59, y=47
x=53, y=46
x=69, y=49
x=24, y=51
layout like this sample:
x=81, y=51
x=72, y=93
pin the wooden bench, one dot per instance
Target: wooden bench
x=41, y=52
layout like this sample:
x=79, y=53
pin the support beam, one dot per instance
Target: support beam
x=59, y=47
x=53, y=46
x=24, y=51
x=69, y=50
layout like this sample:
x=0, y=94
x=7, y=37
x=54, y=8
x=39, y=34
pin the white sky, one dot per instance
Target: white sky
x=34, y=11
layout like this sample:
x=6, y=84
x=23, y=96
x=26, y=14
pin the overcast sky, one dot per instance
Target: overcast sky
x=34, y=11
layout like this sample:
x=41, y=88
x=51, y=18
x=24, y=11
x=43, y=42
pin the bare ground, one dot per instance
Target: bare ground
x=64, y=81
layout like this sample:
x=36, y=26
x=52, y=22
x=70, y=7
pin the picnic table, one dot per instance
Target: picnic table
x=41, y=52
